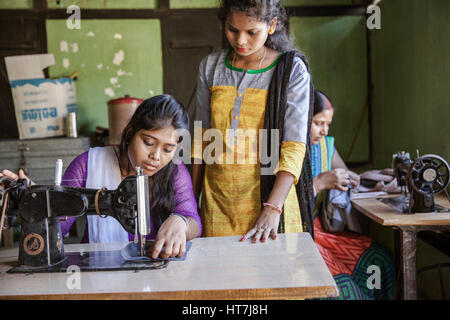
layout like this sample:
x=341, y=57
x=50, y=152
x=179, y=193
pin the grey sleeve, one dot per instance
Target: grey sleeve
x=203, y=107
x=297, y=108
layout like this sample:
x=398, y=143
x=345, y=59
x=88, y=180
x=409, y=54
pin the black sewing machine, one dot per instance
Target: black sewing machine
x=40, y=207
x=419, y=180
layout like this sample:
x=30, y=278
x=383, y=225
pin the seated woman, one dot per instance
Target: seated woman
x=149, y=141
x=348, y=255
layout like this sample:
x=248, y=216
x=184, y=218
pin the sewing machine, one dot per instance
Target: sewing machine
x=41, y=207
x=419, y=180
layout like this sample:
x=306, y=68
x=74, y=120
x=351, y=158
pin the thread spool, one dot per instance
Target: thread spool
x=58, y=172
x=71, y=125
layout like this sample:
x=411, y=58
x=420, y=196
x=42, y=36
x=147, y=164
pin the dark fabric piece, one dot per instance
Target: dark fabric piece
x=274, y=119
x=131, y=253
x=338, y=215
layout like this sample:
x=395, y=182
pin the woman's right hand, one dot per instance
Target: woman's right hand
x=333, y=179
x=15, y=177
x=172, y=236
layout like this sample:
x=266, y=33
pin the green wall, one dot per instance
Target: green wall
x=104, y=4
x=189, y=4
x=112, y=58
x=16, y=4
x=336, y=50
x=411, y=63
x=411, y=102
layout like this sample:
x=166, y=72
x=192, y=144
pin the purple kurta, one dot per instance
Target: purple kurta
x=76, y=175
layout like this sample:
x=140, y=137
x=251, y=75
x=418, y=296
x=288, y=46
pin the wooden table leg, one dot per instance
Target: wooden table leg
x=398, y=265
x=408, y=237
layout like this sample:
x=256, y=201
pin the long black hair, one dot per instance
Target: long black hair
x=155, y=113
x=264, y=11
x=321, y=102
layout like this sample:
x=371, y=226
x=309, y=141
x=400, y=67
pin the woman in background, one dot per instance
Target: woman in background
x=348, y=255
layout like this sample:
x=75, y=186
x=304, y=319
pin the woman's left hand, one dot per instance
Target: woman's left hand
x=265, y=226
x=171, y=236
x=354, y=179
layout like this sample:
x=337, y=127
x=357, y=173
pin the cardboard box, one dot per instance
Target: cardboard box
x=40, y=104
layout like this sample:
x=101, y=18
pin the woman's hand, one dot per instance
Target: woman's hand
x=269, y=219
x=354, y=179
x=171, y=236
x=15, y=177
x=265, y=226
x=338, y=178
x=333, y=179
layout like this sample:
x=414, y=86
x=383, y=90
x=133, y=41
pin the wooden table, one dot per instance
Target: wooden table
x=290, y=267
x=409, y=225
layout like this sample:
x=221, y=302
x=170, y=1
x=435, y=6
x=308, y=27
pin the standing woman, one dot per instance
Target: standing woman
x=261, y=82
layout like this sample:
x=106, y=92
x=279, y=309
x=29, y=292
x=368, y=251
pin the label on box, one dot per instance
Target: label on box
x=41, y=106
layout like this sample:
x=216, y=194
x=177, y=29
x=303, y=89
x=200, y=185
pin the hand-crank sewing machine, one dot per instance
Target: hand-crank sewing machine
x=40, y=207
x=421, y=178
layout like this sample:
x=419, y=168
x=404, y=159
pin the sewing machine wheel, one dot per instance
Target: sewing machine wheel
x=429, y=174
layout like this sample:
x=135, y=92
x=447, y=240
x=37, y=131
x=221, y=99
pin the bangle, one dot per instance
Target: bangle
x=277, y=209
x=181, y=216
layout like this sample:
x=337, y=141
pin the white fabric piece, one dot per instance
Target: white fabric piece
x=104, y=171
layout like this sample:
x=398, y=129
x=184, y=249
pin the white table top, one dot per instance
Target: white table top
x=215, y=268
